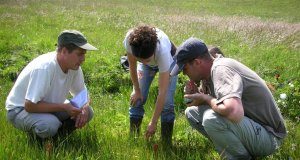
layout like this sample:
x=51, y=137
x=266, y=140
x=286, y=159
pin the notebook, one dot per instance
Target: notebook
x=80, y=99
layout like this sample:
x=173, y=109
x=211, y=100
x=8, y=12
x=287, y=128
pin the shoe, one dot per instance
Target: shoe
x=135, y=125
x=67, y=127
x=166, y=134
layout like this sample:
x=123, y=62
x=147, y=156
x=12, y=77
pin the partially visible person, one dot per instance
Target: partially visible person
x=36, y=103
x=215, y=52
x=240, y=117
x=150, y=51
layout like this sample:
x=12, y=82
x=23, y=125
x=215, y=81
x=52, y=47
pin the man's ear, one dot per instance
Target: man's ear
x=197, y=61
x=64, y=51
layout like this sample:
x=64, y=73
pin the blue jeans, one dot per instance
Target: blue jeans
x=146, y=75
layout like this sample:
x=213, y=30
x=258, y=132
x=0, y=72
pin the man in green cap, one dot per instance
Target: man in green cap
x=37, y=102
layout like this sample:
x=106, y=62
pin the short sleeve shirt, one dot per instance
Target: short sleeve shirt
x=233, y=79
x=43, y=80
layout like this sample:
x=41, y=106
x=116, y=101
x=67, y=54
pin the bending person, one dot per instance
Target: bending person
x=152, y=49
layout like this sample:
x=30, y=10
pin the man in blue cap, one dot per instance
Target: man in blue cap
x=240, y=116
x=36, y=103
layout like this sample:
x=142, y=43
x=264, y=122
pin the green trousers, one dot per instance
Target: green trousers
x=244, y=140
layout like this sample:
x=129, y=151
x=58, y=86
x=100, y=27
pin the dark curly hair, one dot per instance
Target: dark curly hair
x=214, y=51
x=143, y=40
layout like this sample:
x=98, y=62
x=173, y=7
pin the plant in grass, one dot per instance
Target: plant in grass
x=287, y=97
x=109, y=78
x=11, y=65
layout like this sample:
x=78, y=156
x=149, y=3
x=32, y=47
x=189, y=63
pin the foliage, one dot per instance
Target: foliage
x=288, y=99
x=264, y=35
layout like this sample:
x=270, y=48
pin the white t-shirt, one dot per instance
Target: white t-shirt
x=163, y=58
x=43, y=80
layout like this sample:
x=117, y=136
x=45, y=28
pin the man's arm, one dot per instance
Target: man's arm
x=164, y=79
x=160, y=101
x=136, y=94
x=132, y=70
x=43, y=107
x=231, y=108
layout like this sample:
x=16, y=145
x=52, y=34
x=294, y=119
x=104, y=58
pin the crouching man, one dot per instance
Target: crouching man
x=240, y=116
x=36, y=102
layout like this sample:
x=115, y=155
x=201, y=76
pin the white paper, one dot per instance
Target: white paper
x=80, y=99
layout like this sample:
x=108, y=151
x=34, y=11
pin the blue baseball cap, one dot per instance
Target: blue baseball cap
x=187, y=51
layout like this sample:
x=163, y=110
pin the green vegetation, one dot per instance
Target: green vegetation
x=264, y=35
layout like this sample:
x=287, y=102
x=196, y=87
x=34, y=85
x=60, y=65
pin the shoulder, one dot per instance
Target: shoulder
x=44, y=61
x=225, y=62
x=126, y=41
x=128, y=33
x=224, y=66
x=162, y=37
x=164, y=43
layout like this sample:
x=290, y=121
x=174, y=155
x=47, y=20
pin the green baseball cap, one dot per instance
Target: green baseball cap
x=74, y=37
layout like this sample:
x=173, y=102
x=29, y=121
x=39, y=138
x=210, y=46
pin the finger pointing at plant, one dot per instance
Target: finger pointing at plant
x=150, y=130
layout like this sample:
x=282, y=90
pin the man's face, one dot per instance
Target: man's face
x=194, y=70
x=75, y=58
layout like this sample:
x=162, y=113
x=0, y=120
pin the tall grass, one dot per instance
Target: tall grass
x=262, y=34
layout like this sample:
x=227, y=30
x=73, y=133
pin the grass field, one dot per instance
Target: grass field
x=264, y=35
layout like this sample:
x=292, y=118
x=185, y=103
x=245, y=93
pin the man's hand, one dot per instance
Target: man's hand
x=72, y=111
x=135, y=96
x=82, y=118
x=198, y=99
x=150, y=130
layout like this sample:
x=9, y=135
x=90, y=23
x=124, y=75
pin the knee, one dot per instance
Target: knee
x=91, y=113
x=213, y=121
x=168, y=115
x=47, y=129
x=192, y=116
x=189, y=112
x=139, y=103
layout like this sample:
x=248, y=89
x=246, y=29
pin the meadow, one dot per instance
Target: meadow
x=264, y=35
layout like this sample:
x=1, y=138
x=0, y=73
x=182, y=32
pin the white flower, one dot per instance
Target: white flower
x=291, y=85
x=283, y=96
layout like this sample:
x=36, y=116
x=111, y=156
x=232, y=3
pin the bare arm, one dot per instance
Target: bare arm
x=132, y=70
x=163, y=87
x=136, y=94
x=162, y=93
x=43, y=107
x=231, y=108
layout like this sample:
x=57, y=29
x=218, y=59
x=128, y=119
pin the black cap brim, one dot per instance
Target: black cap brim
x=176, y=69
